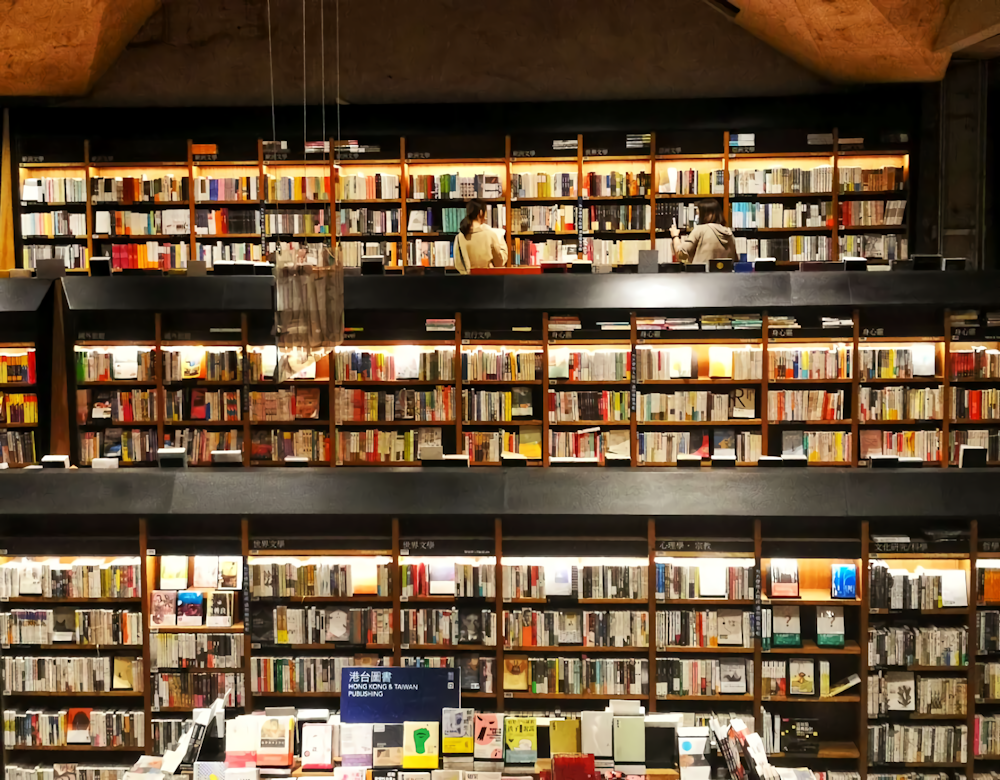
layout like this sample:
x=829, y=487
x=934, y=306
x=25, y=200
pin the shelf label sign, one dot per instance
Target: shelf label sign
x=579, y=224
x=380, y=694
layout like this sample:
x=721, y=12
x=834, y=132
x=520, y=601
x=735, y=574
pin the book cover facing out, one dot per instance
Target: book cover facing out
x=521, y=740
x=830, y=626
x=420, y=744
x=387, y=745
x=488, y=730
x=784, y=578
x=456, y=730
x=843, y=581
x=787, y=627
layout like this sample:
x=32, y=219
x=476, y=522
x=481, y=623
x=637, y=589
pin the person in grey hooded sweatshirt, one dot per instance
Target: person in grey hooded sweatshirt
x=709, y=240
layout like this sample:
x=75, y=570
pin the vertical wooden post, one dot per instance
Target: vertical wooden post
x=726, y=201
x=758, y=655
x=545, y=389
x=147, y=688
x=579, y=189
x=856, y=390
x=765, y=375
x=863, y=658
x=458, y=406
x=161, y=393
x=652, y=192
x=397, y=579
x=947, y=413
x=498, y=606
x=834, y=197
x=247, y=629
x=651, y=547
x=507, y=197
x=973, y=644
x=634, y=401
x=404, y=194
x=192, y=247
x=245, y=402
x=59, y=426
x=88, y=211
x=7, y=260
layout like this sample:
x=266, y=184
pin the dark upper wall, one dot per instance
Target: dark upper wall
x=194, y=52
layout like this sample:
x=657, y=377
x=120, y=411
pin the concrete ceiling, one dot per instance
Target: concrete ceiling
x=192, y=52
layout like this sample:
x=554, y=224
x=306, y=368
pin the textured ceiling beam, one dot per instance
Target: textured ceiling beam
x=968, y=22
x=853, y=41
x=60, y=48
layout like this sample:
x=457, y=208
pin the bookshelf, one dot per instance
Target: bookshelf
x=338, y=201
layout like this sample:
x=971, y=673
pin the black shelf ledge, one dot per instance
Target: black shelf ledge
x=552, y=292
x=22, y=295
x=554, y=492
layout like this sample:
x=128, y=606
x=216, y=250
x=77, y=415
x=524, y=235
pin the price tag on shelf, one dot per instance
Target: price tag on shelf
x=6, y=692
x=404, y=552
x=873, y=611
x=404, y=598
x=404, y=647
x=3, y=551
x=155, y=707
x=4, y=598
x=508, y=694
x=154, y=631
x=150, y=551
x=4, y=646
x=255, y=645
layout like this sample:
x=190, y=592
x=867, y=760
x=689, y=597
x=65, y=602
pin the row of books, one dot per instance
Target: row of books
x=915, y=360
x=297, y=675
x=431, y=254
x=608, y=252
x=779, y=215
x=598, y=365
x=367, y=221
x=214, y=365
x=975, y=363
x=907, y=692
x=54, y=223
x=17, y=447
x=697, y=405
x=360, y=186
x=176, y=222
x=925, y=445
x=477, y=672
x=874, y=246
x=706, y=628
x=129, y=446
x=589, y=443
x=446, y=186
x=834, y=362
x=680, y=181
x=119, y=406
x=196, y=651
x=800, y=677
x=186, y=690
x=72, y=674
x=533, y=252
x=903, y=403
x=199, y=444
x=918, y=646
x=574, y=405
x=221, y=222
x=72, y=255
x=224, y=572
x=91, y=771
x=543, y=185
x=54, y=189
x=104, y=365
x=295, y=578
x=748, y=181
x=678, y=579
x=227, y=252
x=497, y=405
x=987, y=629
x=884, y=179
x=298, y=188
x=693, y=677
x=149, y=255
x=898, y=589
x=987, y=439
x=488, y=446
x=192, y=608
x=974, y=404
x=550, y=218
x=986, y=741
x=781, y=625
x=207, y=189
x=118, y=578
x=462, y=580
x=376, y=446
x=448, y=626
x=579, y=676
x=74, y=726
x=482, y=364
x=987, y=681
x=297, y=222
x=656, y=363
x=675, y=213
x=127, y=190
x=861, y=213
x=611, y=628
x=610, y=217
x=358, y=364
x=793, y=249
x=987, y=585
x=898, y=743
x=293, y=403
x=616, y=184
x=806, y=405
x=319, y=626
x=209, y=405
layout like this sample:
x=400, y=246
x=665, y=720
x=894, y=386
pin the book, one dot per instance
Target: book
x=190, y=608
x=629, y=742
x=830, y=626
x=564, y=736
x=78, y=725
x=356, y=741
x=787, y=631
x=307, y=403
x=801, y=677
x=488, y=730
x=123, y=677
x=515, y=677
x=64, y=772
x=596, y=733
x=317, y=746
x=470, y=626
x=783, y=576
x=848, y=682
x=387, y=745
x=338, y=625
x=720, y=362
x=206, y=572
x=724, y=443
x=734, y=676
x=469, y=672
x=901, y=693
x=456, y=730
x=276, y=741
x=843, y=580
x=420, y=744
x=520, y=740
x=730, y=627
x=173, y=572
x=163, y=611
x=220, y=609
x=230, y=572
x=63, y=624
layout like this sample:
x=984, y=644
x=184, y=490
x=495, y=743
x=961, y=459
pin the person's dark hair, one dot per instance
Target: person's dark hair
x=709, y=210
x=472, y=211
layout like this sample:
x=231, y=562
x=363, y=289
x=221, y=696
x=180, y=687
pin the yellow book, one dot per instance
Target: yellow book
x=420, y=744
x=564, y=736
x=720, y=362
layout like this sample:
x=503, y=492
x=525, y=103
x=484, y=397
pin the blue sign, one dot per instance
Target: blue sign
x=392, y=694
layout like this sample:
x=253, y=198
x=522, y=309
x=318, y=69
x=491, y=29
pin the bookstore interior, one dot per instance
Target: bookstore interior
x=625, y=521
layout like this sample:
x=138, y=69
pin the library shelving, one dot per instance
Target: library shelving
x=555, y=196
